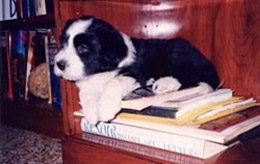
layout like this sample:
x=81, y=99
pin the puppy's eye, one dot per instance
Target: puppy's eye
x=83, y=48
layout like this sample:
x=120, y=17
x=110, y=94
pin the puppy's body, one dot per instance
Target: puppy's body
x=175, y=57
x=93, y=50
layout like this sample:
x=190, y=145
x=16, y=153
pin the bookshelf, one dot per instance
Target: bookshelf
x=39, y=116
x=30, y=23
x=225, y=31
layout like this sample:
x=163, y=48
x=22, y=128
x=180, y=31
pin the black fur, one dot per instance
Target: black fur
x=175, y=57
x=101, y=48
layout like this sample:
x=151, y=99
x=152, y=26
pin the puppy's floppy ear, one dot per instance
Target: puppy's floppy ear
x=68, y=23
x=63, y=36
x=113, y=48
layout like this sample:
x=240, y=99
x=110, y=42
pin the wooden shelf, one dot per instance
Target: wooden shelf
x=90, y=148
x=41, y=118
x=30, y=23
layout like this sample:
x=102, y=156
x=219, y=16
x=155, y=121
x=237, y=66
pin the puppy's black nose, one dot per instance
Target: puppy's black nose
x=61, y=65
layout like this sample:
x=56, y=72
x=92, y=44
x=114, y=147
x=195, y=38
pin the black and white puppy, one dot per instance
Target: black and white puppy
x=107, y=64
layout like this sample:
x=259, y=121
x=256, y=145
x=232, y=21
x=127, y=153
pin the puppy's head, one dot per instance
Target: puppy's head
x=89, y=45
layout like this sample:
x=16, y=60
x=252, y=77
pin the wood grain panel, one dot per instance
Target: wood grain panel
x=236, y=46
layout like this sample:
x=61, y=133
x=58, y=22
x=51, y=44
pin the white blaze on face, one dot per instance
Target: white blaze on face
x=74, y=69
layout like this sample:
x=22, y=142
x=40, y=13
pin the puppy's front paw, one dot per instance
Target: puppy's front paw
x=205, y=88
x=110, y=99
x=89, y=105
x=165, y=84
x=91, y=116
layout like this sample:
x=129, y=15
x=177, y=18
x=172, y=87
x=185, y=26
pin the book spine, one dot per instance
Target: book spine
x=14, y=68
x=3, y=66
x=32, y=8
x=40, y=7
x=18, y=63
x=49, y=6
x=9, y=9
x=26, y=8
x=19, y=8
x=1, y=10
x=180, y=144
x=54, y=80
x=8, y=62
x=46, y=42
x=29, y=62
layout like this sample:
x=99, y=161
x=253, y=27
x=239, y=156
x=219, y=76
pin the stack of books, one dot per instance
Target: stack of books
x=185, y=121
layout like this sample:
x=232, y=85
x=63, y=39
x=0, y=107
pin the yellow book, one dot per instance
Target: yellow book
x=188, y=117
x=196, y=112
x=222, y=114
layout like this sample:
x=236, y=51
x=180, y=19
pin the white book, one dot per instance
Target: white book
x=1, y=10
x=9, y=9
x=172, y=142
x=156, y=100
x=40, y=7
x=216, y=96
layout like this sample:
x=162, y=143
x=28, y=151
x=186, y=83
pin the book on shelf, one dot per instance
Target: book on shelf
x=46, y=42
x=220, y=120
x=8, y=65
x=49, y=6
x=220, y=134
x=30, y=8
x=1, y=10
x=40, y=7
x=9, y=9
x=172, y=142
x=52, y=50
x=18, y=56
x=223, y=130
x=3, y=66
x=175, y=104
x=29, y=62
x=27, y=57
x=25, y=8
x=201, y=141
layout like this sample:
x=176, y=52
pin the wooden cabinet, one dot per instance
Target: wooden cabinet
x=227, y=32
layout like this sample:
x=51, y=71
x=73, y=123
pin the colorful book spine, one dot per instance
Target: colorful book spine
x=29, y=62
x=8, y=62
x=18, y=65
x=171, y=142
x=26, y=8
x=54, y=80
